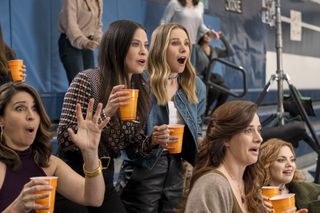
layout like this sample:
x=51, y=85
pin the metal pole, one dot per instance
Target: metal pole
x=280, y=72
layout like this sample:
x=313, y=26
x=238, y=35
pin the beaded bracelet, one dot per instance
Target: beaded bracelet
x=93, y=173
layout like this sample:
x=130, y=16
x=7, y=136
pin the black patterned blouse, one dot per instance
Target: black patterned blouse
x=115, y=137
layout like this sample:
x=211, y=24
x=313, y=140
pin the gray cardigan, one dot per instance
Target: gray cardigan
x=212, y=193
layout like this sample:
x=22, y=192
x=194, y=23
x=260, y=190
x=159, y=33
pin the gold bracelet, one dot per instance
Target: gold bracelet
x=93, y=173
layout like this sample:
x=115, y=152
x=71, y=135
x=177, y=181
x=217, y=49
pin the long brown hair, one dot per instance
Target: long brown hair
x=41, y=145
x=113, y=50
x=228, y=120
x=269, y=152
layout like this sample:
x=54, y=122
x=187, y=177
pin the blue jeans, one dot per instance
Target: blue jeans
x=74, y=60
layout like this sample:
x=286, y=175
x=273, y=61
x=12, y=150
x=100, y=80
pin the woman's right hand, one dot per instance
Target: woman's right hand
x=24, y=73
x=25, y=202
x=116, y=99
x=161, y=135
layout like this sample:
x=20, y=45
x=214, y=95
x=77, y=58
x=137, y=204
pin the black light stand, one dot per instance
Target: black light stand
x=280, y=76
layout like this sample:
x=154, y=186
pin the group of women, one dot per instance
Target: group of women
x=123, y=55
x=155, y=183
x=226, y=176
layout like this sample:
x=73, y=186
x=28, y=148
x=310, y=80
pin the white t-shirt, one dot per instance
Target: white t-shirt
x=174, y=115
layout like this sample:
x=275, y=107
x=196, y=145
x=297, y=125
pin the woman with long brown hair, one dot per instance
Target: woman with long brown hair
x=224, y=178
x=122, y=58
x=25, y=152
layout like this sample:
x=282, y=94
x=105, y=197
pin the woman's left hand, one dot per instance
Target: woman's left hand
x=89, y=129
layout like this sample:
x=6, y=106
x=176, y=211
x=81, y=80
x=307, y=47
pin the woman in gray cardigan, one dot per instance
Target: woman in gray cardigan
x=224, y=178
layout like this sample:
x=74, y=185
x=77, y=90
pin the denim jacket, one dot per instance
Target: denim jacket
x=192, y=116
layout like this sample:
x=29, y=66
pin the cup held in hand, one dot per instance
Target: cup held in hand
x=177, y=131
x=15, y=67
x=270, y=191
x=50, y=200
x=129, y=112
x=283, y=202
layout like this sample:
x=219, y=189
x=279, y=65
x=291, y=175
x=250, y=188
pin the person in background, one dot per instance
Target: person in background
x=25, y=151
x=188, y=13
x=277, y=167
x=80, y=24
x=178, y=97
x=224, y=178
x=6, y=54
x=122, y=59
x=202, y=55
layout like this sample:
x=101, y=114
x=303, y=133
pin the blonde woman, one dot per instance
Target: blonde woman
x=156, y=182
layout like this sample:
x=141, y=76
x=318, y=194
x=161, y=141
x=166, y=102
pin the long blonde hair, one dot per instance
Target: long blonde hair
x=159, y=68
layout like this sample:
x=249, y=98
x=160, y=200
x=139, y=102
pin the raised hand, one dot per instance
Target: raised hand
x=116, y=99
x=214, y=34
x=89, y=129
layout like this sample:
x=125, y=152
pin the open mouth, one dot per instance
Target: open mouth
x=30, y=130
x=142, y=62
x=182, y=59
x=255, y=150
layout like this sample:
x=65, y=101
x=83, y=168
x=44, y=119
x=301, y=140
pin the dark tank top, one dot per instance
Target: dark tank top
x=15, y=180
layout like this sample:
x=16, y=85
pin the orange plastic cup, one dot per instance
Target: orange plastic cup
x=283, y=202
x=50, y=200
x=129, y=112
x=270, y=191
x=177, y=131
x=15, y=67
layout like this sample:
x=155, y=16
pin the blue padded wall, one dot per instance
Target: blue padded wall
x=30, y=28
